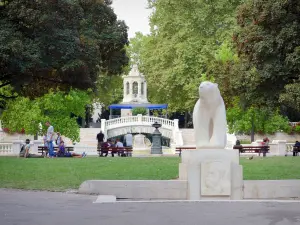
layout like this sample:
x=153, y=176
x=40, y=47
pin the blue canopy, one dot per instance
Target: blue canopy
x=130, y=106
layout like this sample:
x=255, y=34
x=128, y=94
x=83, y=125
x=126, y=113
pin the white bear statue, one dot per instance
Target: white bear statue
x=209, y=118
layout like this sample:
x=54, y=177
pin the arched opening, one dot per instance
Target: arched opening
x=135, y=88
x=127, y=88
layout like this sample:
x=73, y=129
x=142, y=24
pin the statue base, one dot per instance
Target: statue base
x=212, y=174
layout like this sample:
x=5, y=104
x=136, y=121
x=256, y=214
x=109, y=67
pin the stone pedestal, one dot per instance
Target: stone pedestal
x=156, y=140
x=212, y=174
x=16, y=146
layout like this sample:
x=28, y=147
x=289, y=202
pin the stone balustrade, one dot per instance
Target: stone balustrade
x=142, y=124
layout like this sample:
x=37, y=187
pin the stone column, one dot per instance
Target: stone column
x=103, y=128
x=16, y=147
x=139, y=95
x=35, y=145
x=281, y=148
x=145, y=90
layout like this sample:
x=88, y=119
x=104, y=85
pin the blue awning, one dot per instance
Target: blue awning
x=130, y=106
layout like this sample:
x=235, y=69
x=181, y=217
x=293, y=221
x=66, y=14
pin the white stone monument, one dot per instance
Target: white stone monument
x=134, y=90
x=212, y=171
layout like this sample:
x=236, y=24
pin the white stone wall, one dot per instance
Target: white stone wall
x=276, y=136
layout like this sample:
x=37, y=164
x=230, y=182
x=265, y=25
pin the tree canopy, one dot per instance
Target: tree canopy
x=268, y=41
x=49, y=44
x=184, y=37
x=61, y=109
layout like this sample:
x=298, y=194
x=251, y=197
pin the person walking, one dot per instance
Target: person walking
x=100, y=138
x=50, y=133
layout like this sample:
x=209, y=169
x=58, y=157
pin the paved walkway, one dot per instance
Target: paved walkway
x=48, y=208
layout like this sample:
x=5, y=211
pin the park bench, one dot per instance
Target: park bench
x=179, y=149
x=253, y=149
x=296, y=150
x=42, y=149
x=126, y=150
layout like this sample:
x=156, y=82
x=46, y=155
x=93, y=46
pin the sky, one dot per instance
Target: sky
x=135, y=15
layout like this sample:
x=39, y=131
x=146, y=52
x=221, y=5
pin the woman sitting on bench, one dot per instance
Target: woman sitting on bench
x=63, y=153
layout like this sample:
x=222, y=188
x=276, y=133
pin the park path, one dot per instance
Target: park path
x=48, y=208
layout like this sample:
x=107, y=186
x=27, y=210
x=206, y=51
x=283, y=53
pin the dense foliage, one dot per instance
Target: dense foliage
x=184, y=37
x=61, y=109
x=139, y=110
x=49, y=44
x=260, y=120
x=269, y=41
x=250, y=48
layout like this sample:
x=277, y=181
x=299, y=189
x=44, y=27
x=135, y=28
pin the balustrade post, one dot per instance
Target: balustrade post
x=35, y=146
x=140, y=116
x=16, y=147
x=103, y=128
x=281, y=148
x=176, y=124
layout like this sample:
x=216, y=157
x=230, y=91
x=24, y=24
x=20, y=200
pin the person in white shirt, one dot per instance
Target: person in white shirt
x=50, y=133
x=120, y=145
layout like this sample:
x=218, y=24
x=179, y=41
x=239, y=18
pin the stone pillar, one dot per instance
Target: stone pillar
x=16, y=147
x=212, y=174
x=176, y=124
x=103, y=128
x=281, y=148
x=139, y=95
x=145, y=90
x=35, y=145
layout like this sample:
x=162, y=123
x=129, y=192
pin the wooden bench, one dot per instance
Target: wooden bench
x=126, y=150
x=42, y=149
x=296, y=150
x=253, y=149
x=179, y=149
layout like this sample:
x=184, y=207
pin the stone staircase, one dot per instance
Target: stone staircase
x=88, y=136
x=188, y=137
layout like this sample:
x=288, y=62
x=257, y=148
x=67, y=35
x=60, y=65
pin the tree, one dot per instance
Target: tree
x=183, y=40
x=268, y=43
x=139, y=110
x=291, y=96
x=49, y=44
x=109, y=90
x=258, y=120
x=61, y=109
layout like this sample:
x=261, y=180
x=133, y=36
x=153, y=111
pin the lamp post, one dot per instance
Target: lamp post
x=156, y=139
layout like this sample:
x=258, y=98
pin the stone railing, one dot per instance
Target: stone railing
x=139, y=120
x=289, y=147
x=6, y=149
x=140, y=123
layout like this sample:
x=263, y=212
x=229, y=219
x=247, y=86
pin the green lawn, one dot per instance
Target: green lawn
x=67, y=173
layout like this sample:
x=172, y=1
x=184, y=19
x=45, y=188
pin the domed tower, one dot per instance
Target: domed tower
x=135, y=87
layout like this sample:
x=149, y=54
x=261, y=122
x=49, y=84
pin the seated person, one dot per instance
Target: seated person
x=120, y=145
x=104, y=148
x=63, y=153
x=296, y=148
x=297, y=144
x=25, y=151
x=266, y=141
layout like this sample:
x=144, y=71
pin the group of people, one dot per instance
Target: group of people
x=103, y=146
x=48, y=143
